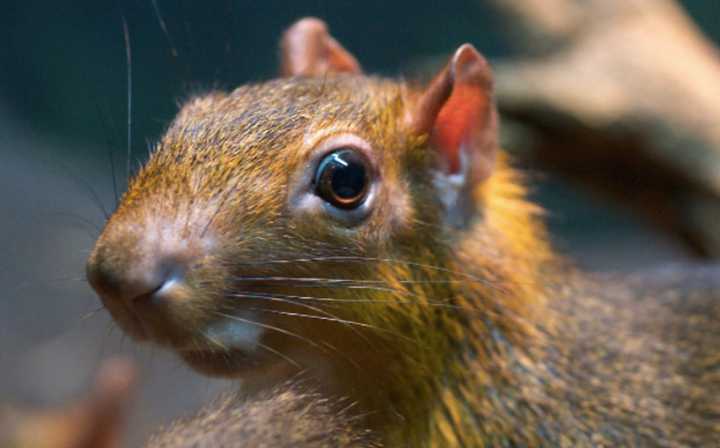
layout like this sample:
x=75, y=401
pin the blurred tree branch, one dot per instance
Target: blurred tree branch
x=623, y=96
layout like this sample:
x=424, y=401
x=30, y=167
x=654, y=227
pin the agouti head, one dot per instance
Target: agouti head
x=325, y=216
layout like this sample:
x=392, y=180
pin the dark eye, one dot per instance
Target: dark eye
x=342, y=178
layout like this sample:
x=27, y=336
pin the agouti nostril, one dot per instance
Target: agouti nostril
x=132, y=284
x=148, y=296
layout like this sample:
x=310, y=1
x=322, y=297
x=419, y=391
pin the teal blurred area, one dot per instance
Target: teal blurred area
x=65, y=60
x=63, y=63
x=63, y=145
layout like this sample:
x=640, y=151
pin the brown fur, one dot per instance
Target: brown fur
x=283, y=417
x=472, y=337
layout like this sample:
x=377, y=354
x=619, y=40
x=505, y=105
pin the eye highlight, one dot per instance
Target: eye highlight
x=343, y=178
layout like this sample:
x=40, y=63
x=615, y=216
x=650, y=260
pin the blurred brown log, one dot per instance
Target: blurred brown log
x=624, y=97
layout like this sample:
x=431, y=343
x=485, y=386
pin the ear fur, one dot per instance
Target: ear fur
x=458, y=114
x=308, y=50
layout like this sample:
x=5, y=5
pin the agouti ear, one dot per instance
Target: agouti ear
x=308, y=50
x=456, y=111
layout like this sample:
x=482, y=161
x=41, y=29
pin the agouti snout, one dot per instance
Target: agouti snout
x=138, y=275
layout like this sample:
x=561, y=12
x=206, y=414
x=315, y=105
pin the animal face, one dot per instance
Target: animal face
x=293, y=217
x=260, y=211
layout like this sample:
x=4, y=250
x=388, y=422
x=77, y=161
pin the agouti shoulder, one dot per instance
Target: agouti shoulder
x=285, y=416
x=368, y=233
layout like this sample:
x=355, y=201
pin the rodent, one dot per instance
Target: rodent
x=370, y=233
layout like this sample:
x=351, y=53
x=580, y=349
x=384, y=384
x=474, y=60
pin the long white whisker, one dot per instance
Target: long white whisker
x=128, y=55
x=346, y=258
x=328, y=280
x=329, y=319
x=312, y=308
x=281, y=355
x=441, y=304
x=91, y=313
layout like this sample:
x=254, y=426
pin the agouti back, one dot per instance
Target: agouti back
x=368, y=233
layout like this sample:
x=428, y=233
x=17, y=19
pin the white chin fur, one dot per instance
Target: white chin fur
x=236, y=334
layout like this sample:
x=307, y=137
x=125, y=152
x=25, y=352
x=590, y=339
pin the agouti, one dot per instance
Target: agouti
x=368, y=233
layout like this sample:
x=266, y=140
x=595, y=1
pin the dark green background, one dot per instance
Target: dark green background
x=63, y=63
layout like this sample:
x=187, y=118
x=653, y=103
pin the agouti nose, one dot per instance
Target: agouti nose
x=134, y=283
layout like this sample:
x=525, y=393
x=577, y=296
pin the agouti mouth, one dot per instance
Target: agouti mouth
x=221, y=362
x=150, y=322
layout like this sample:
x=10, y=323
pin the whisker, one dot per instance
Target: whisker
x=347, y=284
x=217, y=210
x=320, y=285
x=426, y=302
x=173, y=50
x=106, y=120
x=86, y=186
x=329, y=319
x=442, y=304
x=219, y=344
x=291, y=334
x=328, y=280
x=128, y=56
x=323, y=280
x=359, y=259
x=91, y=313
x=80, y=220
x=280, y=354
x=427, y=224
x=304, y=305
x=422, y=299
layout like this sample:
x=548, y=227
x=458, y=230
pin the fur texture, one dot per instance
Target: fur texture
x=284, y=417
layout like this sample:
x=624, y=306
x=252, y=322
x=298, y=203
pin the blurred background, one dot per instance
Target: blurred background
x=64, y=144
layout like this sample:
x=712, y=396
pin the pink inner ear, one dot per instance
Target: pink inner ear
x=459, y=118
